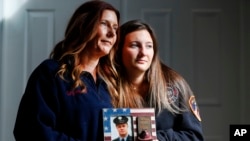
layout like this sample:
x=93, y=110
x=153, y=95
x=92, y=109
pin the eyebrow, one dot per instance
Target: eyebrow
x=106, y=20
x=136, y=41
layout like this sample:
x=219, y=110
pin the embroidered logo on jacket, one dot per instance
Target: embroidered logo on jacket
x=173, y=94
x=76, y=92
x=194, y=107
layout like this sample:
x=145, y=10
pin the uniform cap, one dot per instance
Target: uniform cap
x=120, y=120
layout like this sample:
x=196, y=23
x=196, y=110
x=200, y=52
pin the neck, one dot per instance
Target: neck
x=136, y=80
x=139, y=84
x=123, y=136
x=89, y=64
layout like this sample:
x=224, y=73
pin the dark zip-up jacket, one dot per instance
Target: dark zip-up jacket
x=50, y=111
x=182, y=127
x=185, y=126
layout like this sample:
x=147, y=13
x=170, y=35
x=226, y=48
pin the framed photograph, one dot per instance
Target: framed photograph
x=129, y=124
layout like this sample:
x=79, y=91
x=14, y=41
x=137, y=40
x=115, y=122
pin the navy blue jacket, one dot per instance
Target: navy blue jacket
x=51, y=111
x=181, y=127
x=129, y=138
x=185, y=126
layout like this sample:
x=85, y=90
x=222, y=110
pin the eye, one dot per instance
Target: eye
x=104, y=23
x=134, y=45
x=149, y=46
x=115, y=28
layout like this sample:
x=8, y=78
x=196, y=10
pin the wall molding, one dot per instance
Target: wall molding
x=207, y=42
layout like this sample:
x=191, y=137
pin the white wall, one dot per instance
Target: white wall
x=1, y=37
x=1, y=47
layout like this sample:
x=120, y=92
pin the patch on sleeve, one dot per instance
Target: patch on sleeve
x=173, y=94
x=194, y=107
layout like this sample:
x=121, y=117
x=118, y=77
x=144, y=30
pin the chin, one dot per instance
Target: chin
x=107, y=48
x=104, y=50
x=141, y=69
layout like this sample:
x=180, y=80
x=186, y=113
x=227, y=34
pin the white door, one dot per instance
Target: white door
x=200, y=39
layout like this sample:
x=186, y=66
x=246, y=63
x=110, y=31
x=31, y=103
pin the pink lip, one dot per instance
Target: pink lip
x=141, y=61
x=106, y=41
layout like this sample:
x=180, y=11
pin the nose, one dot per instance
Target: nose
x=111, y=32
x=142, y=50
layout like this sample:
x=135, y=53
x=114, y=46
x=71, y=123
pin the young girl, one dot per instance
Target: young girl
x=143, y=81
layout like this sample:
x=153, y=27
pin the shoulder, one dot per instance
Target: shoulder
x=173, y=94
x=194, y=107
x=48, y=67
x=130, y=137
x=49, y=64
x=117, y=139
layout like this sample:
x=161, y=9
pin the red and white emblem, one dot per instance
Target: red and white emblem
x=173, y=94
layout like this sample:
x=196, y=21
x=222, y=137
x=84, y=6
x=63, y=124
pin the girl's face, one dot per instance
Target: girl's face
x=106, y=33
x=138, y=51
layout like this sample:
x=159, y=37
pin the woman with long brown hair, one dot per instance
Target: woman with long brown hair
x=65, y=94
x=144, y=81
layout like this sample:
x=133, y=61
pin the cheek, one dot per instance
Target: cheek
x=99, y=33
x=151, y=55
x=115, y=38
x=124, y=58
x=127, y=56
x=130, y=53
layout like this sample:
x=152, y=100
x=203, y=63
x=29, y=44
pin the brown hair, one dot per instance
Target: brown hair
x=159, y=78
x=80, y=31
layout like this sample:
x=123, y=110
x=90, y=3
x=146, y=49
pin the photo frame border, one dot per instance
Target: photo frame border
x=134, y=113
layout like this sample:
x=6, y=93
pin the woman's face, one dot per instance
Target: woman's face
x=138, y=51
x=106, y=32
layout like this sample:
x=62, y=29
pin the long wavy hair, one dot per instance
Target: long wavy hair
x=159, y=78
x=80, y=31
